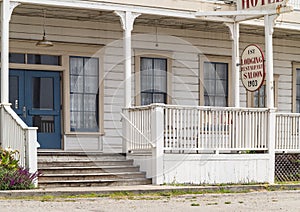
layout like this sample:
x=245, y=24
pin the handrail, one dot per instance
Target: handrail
x=15, y=134
x=208, y=108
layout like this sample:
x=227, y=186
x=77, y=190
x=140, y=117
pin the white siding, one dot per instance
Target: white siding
x=185, y=45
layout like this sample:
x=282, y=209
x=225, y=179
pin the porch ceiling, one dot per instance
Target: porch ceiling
x=147, y=20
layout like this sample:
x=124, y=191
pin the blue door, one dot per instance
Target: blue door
x=35, y=97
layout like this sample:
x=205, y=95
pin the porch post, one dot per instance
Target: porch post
x=269, y=27
x=235, y=35
x=127, y=20
x=4, y=50
x=6, y=10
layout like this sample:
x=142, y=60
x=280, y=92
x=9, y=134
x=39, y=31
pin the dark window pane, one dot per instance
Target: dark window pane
x=14, y=91
x=16, y=58
x=153, y=80
x=259, y=97
x=43, y=59
x=215, y=84
x=42, y=91
x=146, y=98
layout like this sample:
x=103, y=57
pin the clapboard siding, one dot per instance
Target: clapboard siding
x=184, y=45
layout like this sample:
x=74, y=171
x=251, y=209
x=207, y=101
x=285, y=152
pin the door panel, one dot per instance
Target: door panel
x=35, y=96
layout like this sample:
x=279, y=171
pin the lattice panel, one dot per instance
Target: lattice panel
x=287, y=167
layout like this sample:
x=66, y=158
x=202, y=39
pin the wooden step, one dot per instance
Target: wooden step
x=89, y=183
x=83, y=163
x=92, y=169
x=61, y=169
x=91, y=176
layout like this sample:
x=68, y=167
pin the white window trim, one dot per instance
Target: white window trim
x=214, y=59
x=138, y=53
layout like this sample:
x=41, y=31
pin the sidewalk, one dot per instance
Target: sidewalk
x=143, y=189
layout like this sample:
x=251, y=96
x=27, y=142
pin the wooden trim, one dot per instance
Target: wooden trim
x=36, y=67
x=295, y=65
x=138, y=53
x=219, y=59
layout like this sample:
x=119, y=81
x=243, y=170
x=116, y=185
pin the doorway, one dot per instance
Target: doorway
x=35, y=97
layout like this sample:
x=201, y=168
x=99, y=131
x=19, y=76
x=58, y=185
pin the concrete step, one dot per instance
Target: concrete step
x=89, y=183
x=86, y=170
x=83, y=163
x=61, y=169
x=77, y=156
x=91, y=176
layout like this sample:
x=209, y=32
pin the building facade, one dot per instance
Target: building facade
x=112, y=55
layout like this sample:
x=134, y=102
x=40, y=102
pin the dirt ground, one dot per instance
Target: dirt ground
x=255, y=201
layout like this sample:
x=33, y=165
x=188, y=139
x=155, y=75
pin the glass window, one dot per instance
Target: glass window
x=260, y=97
x=14, y=91
x=43, y=59
x=215, y=84
x=84, y=94
x=43, y=93
x=16, y=58
x=153, y=80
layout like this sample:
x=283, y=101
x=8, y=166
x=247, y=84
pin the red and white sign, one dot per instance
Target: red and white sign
x=252, y=67
x=259, y=4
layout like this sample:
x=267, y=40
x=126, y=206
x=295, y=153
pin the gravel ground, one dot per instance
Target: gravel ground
x=255, y=201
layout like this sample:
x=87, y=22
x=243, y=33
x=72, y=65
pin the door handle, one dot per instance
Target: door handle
x=16, y=104
x=24, y=112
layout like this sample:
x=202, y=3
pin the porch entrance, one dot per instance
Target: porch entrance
x=35, y=97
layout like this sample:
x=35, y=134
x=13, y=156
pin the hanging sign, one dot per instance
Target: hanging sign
x=252, y=67
x=260, y=4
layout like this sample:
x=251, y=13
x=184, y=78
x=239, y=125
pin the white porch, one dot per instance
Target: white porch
x=208, y=145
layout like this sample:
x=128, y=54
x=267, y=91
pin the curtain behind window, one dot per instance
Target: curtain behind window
x=84, y=91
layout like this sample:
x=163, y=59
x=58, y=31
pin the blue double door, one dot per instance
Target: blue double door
x=35, y=97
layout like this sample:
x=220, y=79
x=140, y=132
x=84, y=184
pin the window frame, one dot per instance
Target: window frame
x=214, y=59
x=295, y=65
x=89, y=130
x=67, y=96
x=250, y=95
x=137, y=64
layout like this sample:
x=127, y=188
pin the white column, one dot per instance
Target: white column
x=127, y=20
x=4, y=50
x=235, y=35
x=269, y=28
x=157, y=137
x=271, y=144
x=6, y=11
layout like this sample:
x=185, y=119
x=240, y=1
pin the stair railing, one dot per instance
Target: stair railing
x=16, y=135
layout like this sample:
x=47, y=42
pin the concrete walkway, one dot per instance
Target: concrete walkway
x=139, y=189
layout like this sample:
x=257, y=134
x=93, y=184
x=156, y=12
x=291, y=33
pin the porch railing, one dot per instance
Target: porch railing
x=18, y=136
x=188, y=128
x=287, y=132
x=137, y=123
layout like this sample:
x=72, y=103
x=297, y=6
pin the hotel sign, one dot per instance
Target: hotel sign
x=260, y=4
x=252, y=67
